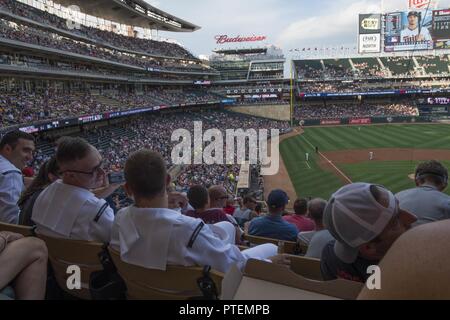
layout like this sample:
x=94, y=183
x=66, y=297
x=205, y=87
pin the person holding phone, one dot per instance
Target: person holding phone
x=68, y=208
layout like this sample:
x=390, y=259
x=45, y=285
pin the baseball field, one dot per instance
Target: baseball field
x=344, y=156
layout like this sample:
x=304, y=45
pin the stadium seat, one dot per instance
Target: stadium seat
x=289, y=247
x=306, y=267
x=176, y=283
x=310, y=289
x=64, y=253
x=24, y=230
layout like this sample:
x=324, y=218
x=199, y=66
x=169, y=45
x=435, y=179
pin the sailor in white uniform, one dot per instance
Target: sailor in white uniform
x=156, y=237
x=148, y=234
x=16, y=149
x=67, y=208
x=71, y=212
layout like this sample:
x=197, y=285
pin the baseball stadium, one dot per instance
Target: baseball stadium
x=112, y=132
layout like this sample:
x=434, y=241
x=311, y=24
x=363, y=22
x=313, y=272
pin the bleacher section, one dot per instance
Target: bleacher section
x=434, y=65
x=398, y=66
x=367, y=66
x=372, y=67
x=338, y=67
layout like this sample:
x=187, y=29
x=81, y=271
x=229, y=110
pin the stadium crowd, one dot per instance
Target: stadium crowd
x=306, y=112
x=123, y=42
x=27, y=108
x=372, y=67
x=154, y=132
x=33, y=35
x=361, y=86
x=361, y=225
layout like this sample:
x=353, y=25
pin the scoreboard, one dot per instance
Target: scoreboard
x=441, y=29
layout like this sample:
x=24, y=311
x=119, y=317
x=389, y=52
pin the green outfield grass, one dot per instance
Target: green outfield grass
x=315, y=182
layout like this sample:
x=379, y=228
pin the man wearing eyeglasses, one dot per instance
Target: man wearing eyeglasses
x=68, y=208
x=365, y=220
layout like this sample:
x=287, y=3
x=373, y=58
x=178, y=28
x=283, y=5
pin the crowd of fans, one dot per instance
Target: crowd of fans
x=27, y=108
x=102, y=36
x=306, y=112
x=154, y=132
x=33, y=35
x=373, y=68
x=361, y=226
x=360, y=86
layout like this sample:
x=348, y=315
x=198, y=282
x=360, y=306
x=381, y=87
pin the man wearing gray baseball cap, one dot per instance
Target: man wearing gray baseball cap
x=365, y=220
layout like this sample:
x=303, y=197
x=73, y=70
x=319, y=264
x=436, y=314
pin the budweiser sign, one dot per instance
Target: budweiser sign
x=221, y=39
x=421, y=4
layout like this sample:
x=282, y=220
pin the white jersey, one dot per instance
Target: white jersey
x=67, y=211
x=408, y=35
x=154, y=238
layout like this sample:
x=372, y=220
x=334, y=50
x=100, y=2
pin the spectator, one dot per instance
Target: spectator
x=316, y=240
x=152, y=236
x=417, y=266
x=365, y=220
x=48, y=173
x=24, y=263
x=218, y=197
x=299, y=218
x=198, y=199
x=258, y=210
x=428, y=200
x=245, y=212
x=67, y=208
x=16, y=149
x=273, y=226
x=229, y=206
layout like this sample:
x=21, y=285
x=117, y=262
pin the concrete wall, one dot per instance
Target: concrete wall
x=277, y=112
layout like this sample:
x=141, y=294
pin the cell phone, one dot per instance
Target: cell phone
x=116, y=177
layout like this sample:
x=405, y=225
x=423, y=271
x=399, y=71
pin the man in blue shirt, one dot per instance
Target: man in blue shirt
x=16, y=150
x=272, y=225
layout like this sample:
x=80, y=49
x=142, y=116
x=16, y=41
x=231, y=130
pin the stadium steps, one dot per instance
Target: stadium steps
x=383, y=67
x=324, y=69
x=353, y=66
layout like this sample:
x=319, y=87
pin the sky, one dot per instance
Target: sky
x=288, y=24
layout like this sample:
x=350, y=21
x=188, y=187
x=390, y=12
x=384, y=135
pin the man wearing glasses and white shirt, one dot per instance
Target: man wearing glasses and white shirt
x=68, y=208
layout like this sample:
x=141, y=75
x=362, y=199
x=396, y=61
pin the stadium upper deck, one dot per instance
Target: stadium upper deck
x=249, y=64
x=385, y=67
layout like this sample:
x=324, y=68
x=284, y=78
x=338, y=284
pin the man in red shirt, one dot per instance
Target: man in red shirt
x=299, y=219
x=199, y=199
x=218, y=197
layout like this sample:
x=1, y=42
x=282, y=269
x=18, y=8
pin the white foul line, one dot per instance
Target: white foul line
x=308, y=164
x=328, y=160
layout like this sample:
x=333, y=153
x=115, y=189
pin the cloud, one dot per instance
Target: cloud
x=338, y=23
